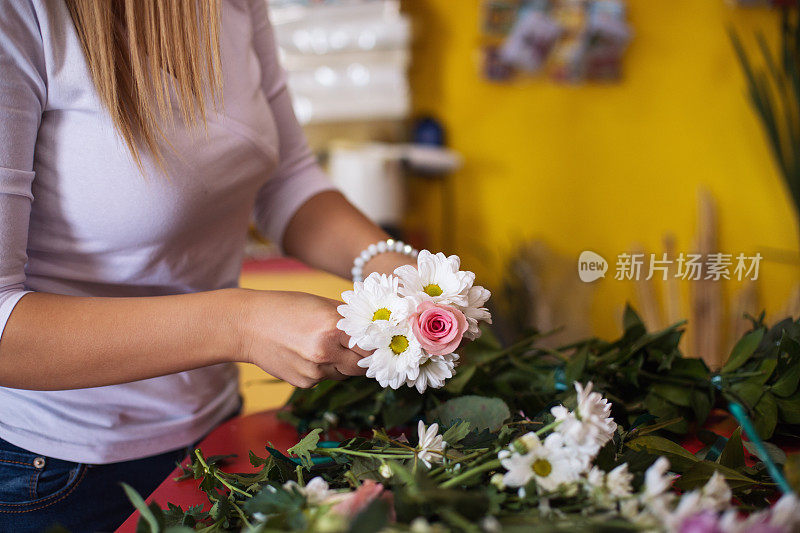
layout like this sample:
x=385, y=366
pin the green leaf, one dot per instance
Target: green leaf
x=749, y=392
x=366, y=468
x=743, y=350
x=777, y=455
x=481, y=412
x=699, y=474
x=790, y=408
x=787, y=383
x=283, y=508
x=144, y=511
x=460, y=380
x=664, y=410
x=631, y=320
x=690, y=368
x=766, y=416
x=456, y=432
x=644, y=430
x=304, y=448
x=576, y=365
x=679, y=457
x=767, y=367
x=673, y=393
x=701, y=405
x=257, y=461
x=733, y=454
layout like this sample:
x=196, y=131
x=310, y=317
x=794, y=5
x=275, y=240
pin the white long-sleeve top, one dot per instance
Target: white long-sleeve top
x=78, y=217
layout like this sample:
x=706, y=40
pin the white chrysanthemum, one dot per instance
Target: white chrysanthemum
x=436, y=278
x=431, y=445
x=596, y=479
x=784, y=516
x=607, y=488
x=716, y=494
x=396, y=357
x=316, y=490
x=689, y=505
x=657, y=480
x=618, y=481
x=433, y=371
x=714, y=497
x=475, y=311
x=547, y=462
x=373, y=303
x=786, y=513
x=589, y=427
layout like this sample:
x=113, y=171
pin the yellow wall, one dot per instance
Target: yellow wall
x=601, y=167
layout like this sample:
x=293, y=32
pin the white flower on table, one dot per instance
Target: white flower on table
x=786, y=513
x=547, y=462
x=433, y=371
x=431, y=445
x=436, y=278
x=396, y=358
x=618, y=481
x=783, y=517
x=716, y=494
x=608, y=488
x=316, y=490
x=657, y=479
x=589, y=427
x=372, y=304
x=711, y=499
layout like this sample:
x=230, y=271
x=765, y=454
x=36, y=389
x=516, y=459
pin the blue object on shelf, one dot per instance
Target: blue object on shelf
x=429, y=131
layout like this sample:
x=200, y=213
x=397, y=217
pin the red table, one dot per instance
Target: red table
x=242, y=434
x=238, y=435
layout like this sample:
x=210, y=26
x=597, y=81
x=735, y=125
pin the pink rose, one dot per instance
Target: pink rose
x=366, y=493
x=438, y=328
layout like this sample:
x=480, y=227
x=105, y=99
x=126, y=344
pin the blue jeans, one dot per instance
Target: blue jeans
x=37, y=492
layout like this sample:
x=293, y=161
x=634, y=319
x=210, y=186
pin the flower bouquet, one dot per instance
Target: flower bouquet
x=414, y=320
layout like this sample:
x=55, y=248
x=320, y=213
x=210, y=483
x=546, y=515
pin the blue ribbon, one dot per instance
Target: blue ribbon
x=740, y=414
x=560, y=378
x=319, y=460
x=716, y=449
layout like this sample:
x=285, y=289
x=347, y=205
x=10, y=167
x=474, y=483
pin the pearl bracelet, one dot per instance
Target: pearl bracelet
x=389, y=245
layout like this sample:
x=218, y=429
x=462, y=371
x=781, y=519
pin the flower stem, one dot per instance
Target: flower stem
x=327, y=451
x=491, y=465
x=242, y=516
x=548, y=427
x=214, y=474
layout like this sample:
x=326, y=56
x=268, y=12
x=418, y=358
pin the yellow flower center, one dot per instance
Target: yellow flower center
x=399, y=344
x=433, y=290
x=542, y=467
x=381, y=314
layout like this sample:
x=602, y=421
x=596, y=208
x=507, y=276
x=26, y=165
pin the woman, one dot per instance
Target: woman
x=137, y=140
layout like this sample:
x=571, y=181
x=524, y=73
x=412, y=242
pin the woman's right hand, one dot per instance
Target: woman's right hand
x=293, y=337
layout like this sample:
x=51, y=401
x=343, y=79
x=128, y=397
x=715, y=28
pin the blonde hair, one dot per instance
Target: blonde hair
x=137, y=49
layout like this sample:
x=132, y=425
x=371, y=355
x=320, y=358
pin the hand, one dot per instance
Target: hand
x=293, y=336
